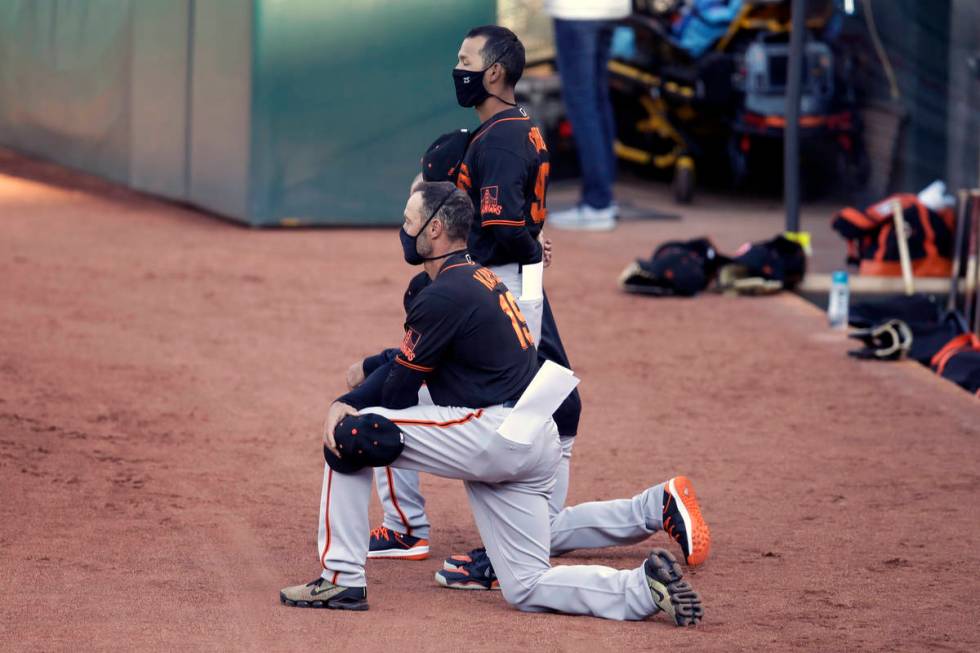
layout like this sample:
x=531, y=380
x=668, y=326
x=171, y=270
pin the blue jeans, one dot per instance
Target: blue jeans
x=583, y=55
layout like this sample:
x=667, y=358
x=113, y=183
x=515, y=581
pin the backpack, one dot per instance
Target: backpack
x=872, y=243
x=959, y=361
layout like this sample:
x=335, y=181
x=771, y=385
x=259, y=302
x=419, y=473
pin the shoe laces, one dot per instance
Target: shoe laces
x=669, y=524
x=381, y=533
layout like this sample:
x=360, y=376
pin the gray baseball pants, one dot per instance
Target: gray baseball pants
x=508, y=485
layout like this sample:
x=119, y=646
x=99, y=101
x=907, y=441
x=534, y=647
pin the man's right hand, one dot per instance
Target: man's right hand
x=355, y=375
x=337, y=412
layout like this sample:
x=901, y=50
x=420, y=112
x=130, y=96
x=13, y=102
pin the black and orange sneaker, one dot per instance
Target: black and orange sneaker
x=457, y=560
x=477, y=574
x=683, y=520
x=386, y=543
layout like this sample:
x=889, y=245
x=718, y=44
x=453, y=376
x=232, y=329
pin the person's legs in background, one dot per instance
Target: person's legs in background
x=583, y=48
x=404, y=534
x=607, y=119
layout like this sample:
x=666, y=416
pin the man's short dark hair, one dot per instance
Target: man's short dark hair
x=456, y=213
x=502, y=47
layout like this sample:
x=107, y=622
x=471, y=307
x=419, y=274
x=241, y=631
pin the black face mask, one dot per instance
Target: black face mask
x=470, y=91
x=410, y=243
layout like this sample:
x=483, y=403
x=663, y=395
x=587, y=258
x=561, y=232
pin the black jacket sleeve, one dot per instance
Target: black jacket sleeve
x=372, y=363
x=401, y=387
x=503, y=180
x=430, y=327
x=369, y=393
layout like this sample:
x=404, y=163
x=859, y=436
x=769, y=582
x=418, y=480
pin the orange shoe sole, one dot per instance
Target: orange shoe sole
x=681, y=488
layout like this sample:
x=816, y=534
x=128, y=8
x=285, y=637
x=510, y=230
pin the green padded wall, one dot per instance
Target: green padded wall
x=346, y=96
x=159, y=96
x=220, y=101
x=266, y=112
x=64, y=77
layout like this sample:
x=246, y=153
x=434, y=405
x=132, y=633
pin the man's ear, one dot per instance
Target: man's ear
x=497, y=71
x=435, y=228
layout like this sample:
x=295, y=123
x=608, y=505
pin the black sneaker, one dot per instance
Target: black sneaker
x=461, y=559
x=386, y=543
x=477, y=574
x=671, y=594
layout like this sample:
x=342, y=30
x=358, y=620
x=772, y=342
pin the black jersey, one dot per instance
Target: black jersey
x=505, y=172
x=465, y=337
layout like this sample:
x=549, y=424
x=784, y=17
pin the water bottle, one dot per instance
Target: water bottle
x=838, y=300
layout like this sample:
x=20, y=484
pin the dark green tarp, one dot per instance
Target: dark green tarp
x=300, y=112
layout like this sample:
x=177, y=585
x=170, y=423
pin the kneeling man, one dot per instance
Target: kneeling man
x=467, y=340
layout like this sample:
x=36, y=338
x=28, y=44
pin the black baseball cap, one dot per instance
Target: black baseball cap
x=367, y=440
x=778, y=259
x=441, y=161
x=678, y=268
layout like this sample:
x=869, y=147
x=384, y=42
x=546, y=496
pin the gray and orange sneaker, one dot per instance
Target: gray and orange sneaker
x=386, y=543
x=670, y=592
x=321, y=593
x=683, y=520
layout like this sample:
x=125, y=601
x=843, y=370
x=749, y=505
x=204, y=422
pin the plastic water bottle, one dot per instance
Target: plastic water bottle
x=838, y=300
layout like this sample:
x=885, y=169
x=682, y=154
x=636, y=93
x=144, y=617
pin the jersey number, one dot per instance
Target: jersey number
x=509, y=306
x=538, y=209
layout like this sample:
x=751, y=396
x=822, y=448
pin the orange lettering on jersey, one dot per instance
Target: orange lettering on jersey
x=488, y=201
x=487, y=278
x=409, y=343
x=509, y=306
x=463, y=181
x=535, y=137
x=539, y=211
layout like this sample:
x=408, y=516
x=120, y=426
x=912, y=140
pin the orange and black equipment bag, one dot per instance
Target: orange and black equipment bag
x=959, y=362
x=873, y=245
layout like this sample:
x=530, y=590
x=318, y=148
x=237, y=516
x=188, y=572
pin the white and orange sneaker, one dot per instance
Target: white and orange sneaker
x=683, y=520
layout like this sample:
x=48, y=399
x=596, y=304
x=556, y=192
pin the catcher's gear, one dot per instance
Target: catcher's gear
x=889, y=340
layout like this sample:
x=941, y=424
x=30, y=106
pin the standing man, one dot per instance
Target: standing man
x=466, y=338
x=583, y=39
x=504, y=170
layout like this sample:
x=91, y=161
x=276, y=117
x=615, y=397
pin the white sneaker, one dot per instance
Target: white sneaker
x=584, y=218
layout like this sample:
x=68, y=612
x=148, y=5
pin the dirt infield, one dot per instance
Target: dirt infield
x=164, y=375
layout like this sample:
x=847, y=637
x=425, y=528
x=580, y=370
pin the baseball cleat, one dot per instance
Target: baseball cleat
x=453, y=562
x=477, y=574
x=386, y=543
x=671, y=594
x=320, y=593
x=683, y=520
